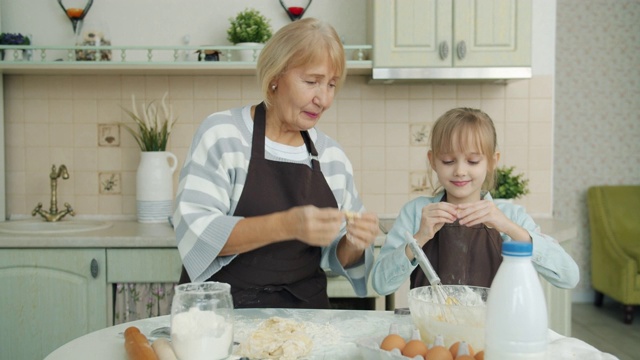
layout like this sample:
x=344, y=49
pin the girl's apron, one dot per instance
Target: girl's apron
x=285, y=274
x=462, y=255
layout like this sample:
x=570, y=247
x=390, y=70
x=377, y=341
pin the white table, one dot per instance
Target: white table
x=351, y=325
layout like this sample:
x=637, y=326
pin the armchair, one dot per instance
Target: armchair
x=614, y=221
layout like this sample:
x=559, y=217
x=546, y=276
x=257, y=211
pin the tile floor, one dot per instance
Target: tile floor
x=604, y=329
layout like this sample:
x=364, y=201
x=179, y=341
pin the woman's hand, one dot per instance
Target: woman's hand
x=434, y=216
x=362, y=230
x=314, y=226
x=486, y=212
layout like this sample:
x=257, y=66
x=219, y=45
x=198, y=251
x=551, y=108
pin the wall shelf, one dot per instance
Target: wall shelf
x=145, y=60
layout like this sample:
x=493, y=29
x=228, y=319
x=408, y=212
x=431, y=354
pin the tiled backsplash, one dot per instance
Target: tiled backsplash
x=72, y=120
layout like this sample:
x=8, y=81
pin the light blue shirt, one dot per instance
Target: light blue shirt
x=392, y=267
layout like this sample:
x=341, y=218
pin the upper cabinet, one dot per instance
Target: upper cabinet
x=447, y=33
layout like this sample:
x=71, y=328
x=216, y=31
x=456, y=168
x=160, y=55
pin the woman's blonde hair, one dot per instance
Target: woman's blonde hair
x=298, y=43
x=463, y=130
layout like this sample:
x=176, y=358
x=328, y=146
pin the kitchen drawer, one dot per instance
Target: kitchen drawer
x=143, y=265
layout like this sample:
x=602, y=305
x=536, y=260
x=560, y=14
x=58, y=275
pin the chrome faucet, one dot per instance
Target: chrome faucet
x=53, y=215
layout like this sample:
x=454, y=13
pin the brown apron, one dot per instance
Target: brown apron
x=285, y=274
x=462, y=255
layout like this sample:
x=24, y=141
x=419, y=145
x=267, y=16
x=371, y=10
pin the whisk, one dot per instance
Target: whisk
x=442, y=297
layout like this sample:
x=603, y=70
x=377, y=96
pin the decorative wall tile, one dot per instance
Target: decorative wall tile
x=110, y=183
x=419, y=134
x=108, y=135
x=418, y=182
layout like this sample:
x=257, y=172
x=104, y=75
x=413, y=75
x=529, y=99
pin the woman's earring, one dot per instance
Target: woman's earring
x=273, y=87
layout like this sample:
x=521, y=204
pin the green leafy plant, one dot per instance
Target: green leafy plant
x=509, y=185
x=249, y=26
x=153, y=128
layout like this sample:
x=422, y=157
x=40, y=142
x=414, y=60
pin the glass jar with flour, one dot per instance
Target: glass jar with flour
x=202, y=321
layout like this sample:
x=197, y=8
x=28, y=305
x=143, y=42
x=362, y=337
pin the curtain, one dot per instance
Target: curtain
x=141, y=301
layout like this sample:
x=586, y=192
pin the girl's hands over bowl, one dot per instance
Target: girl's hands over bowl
x=486, y=212
x=434, y=216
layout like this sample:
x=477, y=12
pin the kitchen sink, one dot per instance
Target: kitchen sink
x=38, y=226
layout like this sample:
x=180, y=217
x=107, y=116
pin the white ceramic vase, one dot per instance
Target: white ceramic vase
x=154, y=186
x=249, y=54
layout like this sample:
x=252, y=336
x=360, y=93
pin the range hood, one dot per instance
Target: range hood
x=472, y=74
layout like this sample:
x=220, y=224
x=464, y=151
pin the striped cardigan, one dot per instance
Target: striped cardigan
x=212, y=180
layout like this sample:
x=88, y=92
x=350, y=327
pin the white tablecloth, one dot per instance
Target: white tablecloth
x=345, y=327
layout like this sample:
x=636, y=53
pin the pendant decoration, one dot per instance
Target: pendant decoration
x=76, y=14
x=295, y=12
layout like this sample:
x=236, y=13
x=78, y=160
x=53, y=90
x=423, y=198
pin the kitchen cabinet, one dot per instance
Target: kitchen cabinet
x=163, y=265
x=447, y=33
x=50, y=296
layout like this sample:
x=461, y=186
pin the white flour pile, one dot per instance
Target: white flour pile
x=201, y=335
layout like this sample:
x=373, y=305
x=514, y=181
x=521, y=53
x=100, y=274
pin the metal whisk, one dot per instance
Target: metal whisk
x=442, y=297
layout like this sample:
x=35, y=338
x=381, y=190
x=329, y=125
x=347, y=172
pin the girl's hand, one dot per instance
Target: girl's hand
x=486, y=212
x=434, y=216
x=481, y=212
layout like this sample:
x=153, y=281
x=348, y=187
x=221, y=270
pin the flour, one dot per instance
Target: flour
x=285, y=339
x=201, y=335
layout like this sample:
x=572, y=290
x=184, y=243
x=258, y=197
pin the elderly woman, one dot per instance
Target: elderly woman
x=266, y=201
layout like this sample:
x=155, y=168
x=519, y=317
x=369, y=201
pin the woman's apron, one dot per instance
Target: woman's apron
x=285, y=274
x=462, y=255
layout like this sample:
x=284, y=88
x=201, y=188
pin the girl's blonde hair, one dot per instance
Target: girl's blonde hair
x=300, y=42
x=464, y=130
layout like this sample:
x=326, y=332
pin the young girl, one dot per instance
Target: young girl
x=461, y=228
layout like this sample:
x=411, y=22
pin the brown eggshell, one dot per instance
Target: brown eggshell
x=454, y=349
x=392, y=341
x=413, y=348
x=438, y=353
x=479, y=355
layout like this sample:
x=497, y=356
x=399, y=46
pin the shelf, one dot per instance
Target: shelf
x=138, y=60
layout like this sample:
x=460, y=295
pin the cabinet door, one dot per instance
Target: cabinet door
x=49, y=297
x=492, y=33
x=411, y=33
x=446, y=33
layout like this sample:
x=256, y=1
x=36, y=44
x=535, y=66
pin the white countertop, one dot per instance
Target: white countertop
x=345, y=332
x=121, y=234
x=132, y=234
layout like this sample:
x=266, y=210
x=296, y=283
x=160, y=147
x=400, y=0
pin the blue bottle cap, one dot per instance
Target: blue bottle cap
x=517, y=248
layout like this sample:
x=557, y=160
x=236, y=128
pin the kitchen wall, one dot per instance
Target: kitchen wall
x=64, y=119
x=597, y=101
x=56, y=119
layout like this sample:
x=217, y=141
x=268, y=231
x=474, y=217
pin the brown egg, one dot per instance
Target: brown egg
x=479, y=355
x=454, y=349
x=438, y=353
x=415, y=347
x=465, y=357
x=392, y=341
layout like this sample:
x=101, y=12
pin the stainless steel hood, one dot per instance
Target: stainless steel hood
x=474, y=74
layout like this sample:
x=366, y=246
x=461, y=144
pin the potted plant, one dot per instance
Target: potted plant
x=154, y=177
x=13, y=39
x=509, y=185
x=249, y=27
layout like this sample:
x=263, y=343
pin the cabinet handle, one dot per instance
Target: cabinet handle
x=94, y=268
x=444, y=50
x=461, y=49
